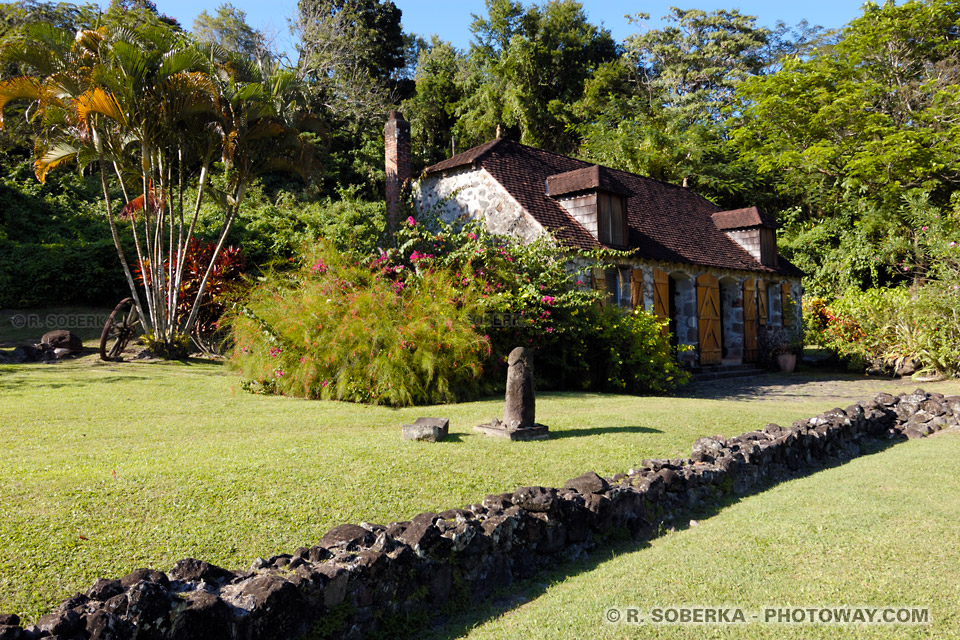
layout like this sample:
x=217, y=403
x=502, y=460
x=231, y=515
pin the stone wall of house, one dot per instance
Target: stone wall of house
x=359, y=578
x=731, y=305
x=731, y=291
x=474, y=194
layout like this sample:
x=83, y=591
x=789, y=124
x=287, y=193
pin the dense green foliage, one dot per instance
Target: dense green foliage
x=529, y=297
x=339, y=330
x=55, y=246
x=432, y=319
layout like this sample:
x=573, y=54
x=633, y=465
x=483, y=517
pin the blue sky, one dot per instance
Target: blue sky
x=450, y=19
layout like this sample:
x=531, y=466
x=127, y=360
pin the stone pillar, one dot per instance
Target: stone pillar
x=396, y=147
x=520, y=399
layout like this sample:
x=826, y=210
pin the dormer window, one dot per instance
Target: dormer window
x=753, y=230
x=612, y=223
x=595, y=198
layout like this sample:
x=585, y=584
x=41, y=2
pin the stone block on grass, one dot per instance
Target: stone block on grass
x=427, y=429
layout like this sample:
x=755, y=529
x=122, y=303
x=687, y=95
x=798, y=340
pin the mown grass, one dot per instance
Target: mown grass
x=878, y=531
x=108, y=467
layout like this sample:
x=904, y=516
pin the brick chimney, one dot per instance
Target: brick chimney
x=396, y=147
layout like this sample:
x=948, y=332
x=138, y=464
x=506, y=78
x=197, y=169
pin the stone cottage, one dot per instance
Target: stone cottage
x=715, y=275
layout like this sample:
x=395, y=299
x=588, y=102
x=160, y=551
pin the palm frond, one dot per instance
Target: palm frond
x=98, y=101
x=178, y=61
x=19, y=88
x=53, y=156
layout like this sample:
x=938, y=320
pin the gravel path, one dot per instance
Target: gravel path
x=841, y=388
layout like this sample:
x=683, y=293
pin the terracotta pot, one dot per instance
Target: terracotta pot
x=787, y=362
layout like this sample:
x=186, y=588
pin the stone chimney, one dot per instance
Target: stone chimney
x=396, y=136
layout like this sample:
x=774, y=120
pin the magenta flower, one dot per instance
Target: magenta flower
x=547, y=300
x=472, y=235
x=275, y=351
x=411, y=221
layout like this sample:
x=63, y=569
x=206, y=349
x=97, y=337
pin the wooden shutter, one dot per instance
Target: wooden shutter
x=661, y=296
x=749, y=321
x=600, y=284
x=636, y=288
x=785, y=299
x=762, y=303
x=708, y=319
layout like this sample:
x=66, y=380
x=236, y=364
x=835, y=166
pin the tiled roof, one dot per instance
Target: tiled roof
x=666, y=223
x=743, y=218
x=586, y=179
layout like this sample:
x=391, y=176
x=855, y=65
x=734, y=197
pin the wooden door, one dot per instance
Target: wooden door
x=636, y=288
x=762, y=303
x=661, y=297
x=749, y=321
x=708, y=319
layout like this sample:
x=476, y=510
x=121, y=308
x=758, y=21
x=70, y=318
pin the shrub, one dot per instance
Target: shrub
x=882, y=328
x=340, y=330
x=532, y=296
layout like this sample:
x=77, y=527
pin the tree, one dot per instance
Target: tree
x=529, y=69
x=131, y=14
x=157, y=118
x=352, y=51
x=661, y=111
x=230, y=30
x=439, y=77
x=872, y=116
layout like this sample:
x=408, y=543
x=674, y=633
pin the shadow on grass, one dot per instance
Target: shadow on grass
x=451, y=626
x=577, y=433
x=780, y=385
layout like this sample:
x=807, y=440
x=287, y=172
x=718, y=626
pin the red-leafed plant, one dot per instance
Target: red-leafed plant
x=224, y=279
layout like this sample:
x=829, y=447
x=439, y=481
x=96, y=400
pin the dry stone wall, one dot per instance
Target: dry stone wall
x=359, y=578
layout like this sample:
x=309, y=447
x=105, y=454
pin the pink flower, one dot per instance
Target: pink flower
x=549, y=329
x=320, y=267
x=547, y=300
x=924, y=228
x=411, y=221
x=472, y=235
x=275, y=351
x=279, y=373
x=415, y=256
x=953, y=244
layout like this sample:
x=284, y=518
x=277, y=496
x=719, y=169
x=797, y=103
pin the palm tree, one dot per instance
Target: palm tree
x=156, y=113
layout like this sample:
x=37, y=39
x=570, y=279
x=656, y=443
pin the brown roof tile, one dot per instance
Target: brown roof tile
x=586, y=179
x=666, y=223
x=743, y=219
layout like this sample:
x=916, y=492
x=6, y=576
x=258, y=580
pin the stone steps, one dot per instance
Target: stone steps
x=703, y=374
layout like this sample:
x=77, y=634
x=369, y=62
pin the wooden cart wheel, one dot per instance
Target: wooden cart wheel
x=122, y=325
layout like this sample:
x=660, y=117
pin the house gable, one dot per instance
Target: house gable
x=472, y=193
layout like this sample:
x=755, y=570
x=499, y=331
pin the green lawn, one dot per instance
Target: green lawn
x=108, y=467
x=880, y=530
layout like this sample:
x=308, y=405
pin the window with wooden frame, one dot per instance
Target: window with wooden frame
x=611, y=219
x=788, y=306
